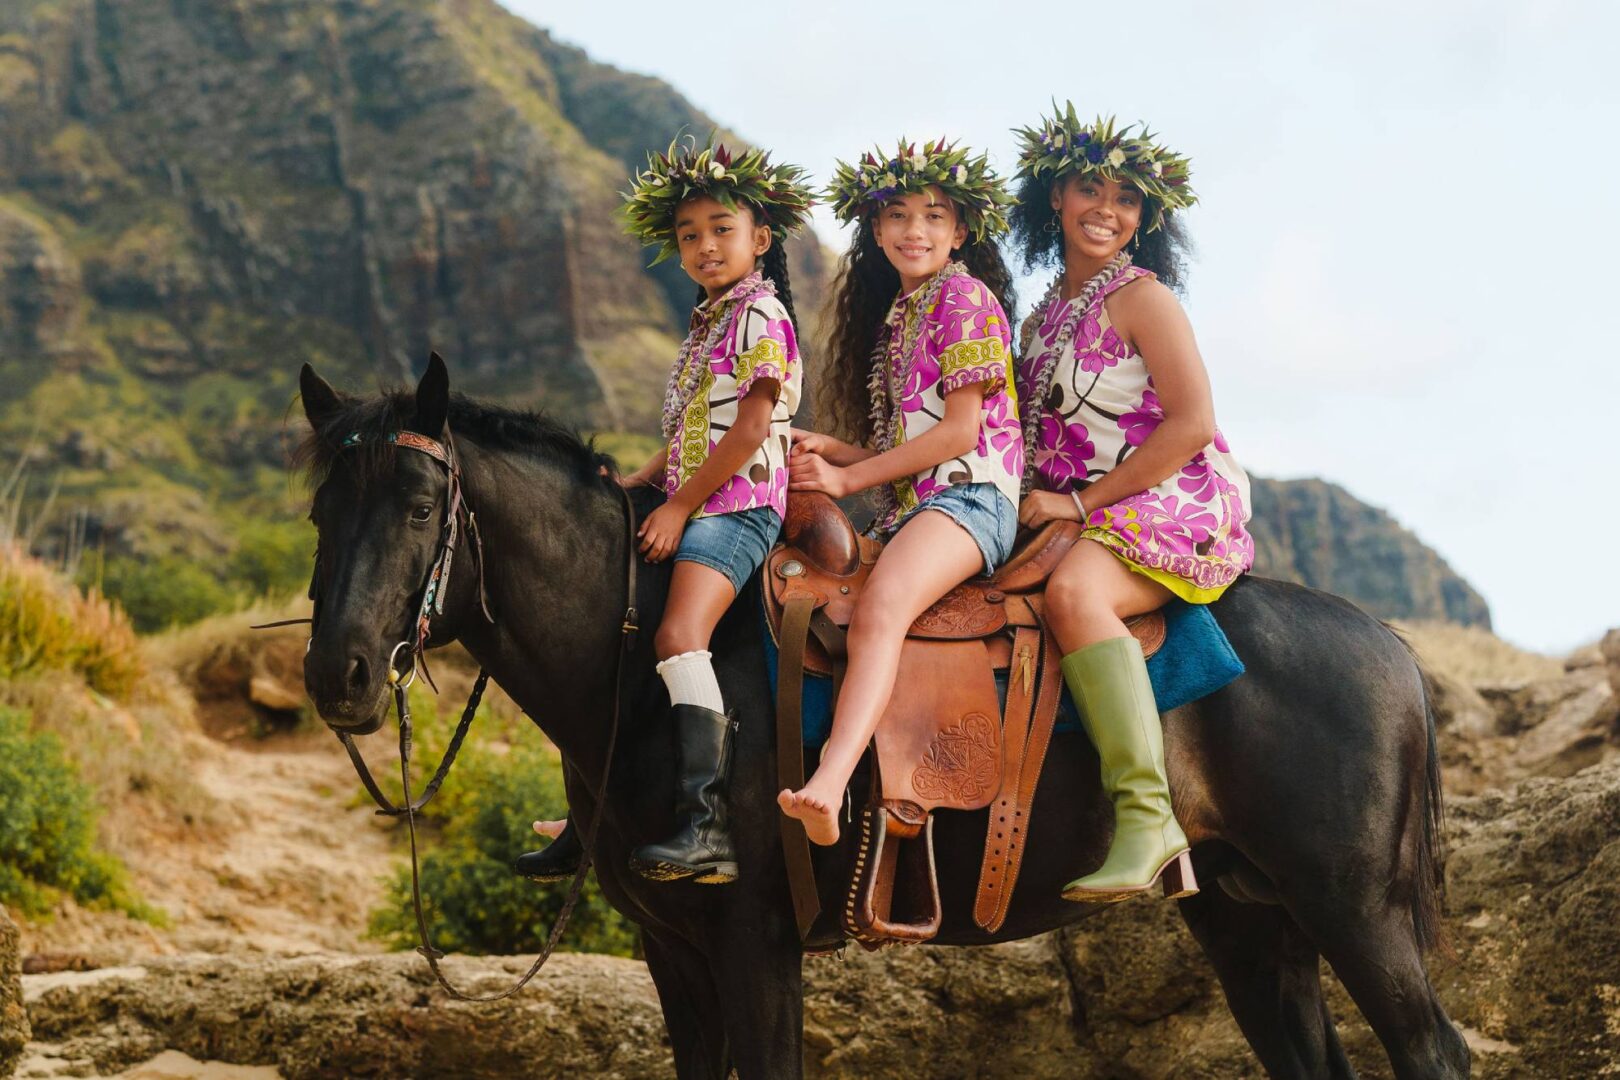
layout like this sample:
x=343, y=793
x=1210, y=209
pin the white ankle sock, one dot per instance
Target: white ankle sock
x=691, y=681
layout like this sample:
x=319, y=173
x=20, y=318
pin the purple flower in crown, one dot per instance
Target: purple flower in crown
x=1142, y=421
x=1094, y=153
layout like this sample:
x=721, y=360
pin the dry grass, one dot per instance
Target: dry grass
x=46, y=625
x=1476, y=656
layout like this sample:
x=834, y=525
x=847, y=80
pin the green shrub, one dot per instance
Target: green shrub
x=164, y=592
x=475, y=903
x=48, y=827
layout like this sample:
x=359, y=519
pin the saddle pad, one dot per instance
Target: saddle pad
x=1196, y=660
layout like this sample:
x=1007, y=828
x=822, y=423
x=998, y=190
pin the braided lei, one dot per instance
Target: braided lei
x=687, y=374
x=1035, y=395
x=888, y=378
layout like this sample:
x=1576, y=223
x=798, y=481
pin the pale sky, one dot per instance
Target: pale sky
x=1405, y=238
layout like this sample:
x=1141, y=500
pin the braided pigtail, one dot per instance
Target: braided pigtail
x=773, y=265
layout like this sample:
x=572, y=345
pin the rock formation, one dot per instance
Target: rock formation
x=14, y=1030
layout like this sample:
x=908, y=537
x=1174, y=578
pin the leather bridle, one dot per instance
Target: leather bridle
x=461, y=520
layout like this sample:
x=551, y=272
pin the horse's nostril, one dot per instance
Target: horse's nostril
x=359, y=675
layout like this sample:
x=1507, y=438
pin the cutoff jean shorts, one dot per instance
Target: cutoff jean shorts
x=987, y=515
x=735, y=544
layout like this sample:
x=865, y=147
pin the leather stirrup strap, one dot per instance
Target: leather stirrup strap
x=801, y=872
x=1029, y=772
x=1006, y=828
x=835, y=642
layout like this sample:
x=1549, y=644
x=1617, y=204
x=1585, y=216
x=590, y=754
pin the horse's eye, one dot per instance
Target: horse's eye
x=422, y=514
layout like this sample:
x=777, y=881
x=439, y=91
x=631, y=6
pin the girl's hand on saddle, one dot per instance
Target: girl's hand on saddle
x=810, y=471
x=1040, y=507
x=661, y=533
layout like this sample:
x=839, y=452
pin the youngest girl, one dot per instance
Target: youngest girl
x=919, y=369
x=726, y=416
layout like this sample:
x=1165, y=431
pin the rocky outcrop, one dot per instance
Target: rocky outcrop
x=1531, y=879
x=1318, y=534
x=14, y=1030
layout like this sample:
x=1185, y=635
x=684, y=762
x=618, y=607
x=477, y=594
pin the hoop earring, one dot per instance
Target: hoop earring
x=1054, y=226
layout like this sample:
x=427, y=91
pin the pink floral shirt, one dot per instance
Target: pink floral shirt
x=964, y=340
x=1100, y=408
x=758, y=344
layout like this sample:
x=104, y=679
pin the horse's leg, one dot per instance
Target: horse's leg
x=1373, y=949
x=1269, y=971
x=691, y=1008
x=760, y=973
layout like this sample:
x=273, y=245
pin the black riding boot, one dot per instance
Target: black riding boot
x=702, y=847
x=557, y=861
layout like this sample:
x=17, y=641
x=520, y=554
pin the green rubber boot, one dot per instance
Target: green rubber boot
x=1109, y=681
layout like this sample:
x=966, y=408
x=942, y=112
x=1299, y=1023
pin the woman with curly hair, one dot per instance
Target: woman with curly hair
x=1120, y=435
x=919, y=370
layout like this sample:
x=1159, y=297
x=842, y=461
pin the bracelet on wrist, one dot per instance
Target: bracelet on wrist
x=1078, y=505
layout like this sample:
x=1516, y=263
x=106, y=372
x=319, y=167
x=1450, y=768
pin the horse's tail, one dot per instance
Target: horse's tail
x=1429, y=889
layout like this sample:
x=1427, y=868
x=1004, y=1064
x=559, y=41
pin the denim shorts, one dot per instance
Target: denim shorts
x=734, y=544
x=987, y=515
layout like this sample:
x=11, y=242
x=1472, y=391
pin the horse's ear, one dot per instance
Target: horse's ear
x=320, y=400
x=432, y=399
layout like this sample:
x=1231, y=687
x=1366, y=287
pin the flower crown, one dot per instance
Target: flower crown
x=966, y=181
x=776, y=193
x=1062, y=145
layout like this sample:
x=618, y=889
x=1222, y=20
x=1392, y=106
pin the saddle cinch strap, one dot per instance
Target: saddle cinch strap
x=945, y=741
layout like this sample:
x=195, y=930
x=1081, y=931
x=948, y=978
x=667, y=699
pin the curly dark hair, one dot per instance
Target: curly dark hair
x=1164, y=251
x=866, y=286
x=773, y=265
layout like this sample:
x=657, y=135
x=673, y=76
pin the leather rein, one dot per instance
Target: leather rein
x=460, y=519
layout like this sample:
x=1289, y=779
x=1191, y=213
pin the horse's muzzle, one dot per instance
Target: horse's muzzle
x=348, y=691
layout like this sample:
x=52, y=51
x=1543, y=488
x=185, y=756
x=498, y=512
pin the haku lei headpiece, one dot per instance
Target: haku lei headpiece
x=777, y=192
x=1063, y=145
x=965, y=180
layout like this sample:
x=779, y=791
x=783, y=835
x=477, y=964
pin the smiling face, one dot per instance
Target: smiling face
x=1099, y=217
x=918, y=232
x=718, y=246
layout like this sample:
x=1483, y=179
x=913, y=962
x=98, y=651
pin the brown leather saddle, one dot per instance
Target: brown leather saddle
x=945, y=741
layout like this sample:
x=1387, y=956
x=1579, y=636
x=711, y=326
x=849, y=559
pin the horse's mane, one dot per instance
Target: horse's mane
x=490, y=426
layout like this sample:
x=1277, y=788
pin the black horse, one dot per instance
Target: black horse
x=1309, y=787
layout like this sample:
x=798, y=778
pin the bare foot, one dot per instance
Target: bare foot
x=552, y=829
x=820, y=817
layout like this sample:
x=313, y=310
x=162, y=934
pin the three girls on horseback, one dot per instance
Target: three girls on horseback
x=1117, y=433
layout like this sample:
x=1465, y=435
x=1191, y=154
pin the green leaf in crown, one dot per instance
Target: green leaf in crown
x=966, y=180
x=1061, y=145
x=777, y=192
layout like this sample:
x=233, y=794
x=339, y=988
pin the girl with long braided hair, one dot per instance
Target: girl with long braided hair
x=1120, y=436
x=920, y=373
x=731, y=395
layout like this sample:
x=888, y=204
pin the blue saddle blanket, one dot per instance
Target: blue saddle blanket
x=1195, y=660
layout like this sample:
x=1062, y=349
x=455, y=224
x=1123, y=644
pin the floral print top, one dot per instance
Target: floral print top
x=964, y=339
x=758, y=344
x=1187, y=532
